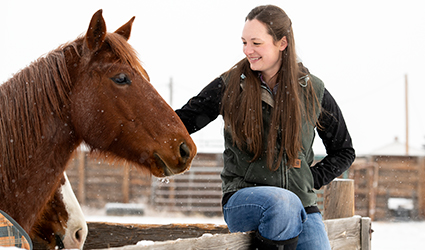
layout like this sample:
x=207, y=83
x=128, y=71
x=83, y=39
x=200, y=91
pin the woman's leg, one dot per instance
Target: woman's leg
x=314, y=235
x=276, y=213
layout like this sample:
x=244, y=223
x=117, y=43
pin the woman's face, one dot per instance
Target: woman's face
x=260, y=49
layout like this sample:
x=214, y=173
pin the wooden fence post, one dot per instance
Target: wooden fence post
x=421, y=188
x=372, y=184
x=126, y=183
x=338, y=199
x=366, y=233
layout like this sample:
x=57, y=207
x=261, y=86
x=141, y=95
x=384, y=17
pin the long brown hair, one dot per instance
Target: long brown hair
x=242, y=110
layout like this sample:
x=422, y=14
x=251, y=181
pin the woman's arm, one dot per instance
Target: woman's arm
x=203, y=108
x=339, y=148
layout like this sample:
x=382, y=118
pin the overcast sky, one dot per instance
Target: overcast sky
x=360, y=49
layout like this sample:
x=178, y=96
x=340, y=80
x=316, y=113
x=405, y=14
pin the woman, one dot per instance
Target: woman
x=271, y=104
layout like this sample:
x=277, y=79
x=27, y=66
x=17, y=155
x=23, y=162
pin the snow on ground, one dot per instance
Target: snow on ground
x=398, y=235
x=166, y=219
x=386, y=235
x=151, y=217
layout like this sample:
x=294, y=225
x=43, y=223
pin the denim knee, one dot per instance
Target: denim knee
x=276, y=213
x=283, y=217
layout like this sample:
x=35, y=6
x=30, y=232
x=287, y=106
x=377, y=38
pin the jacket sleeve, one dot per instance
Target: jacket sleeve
x=337, y=141
x=203, y=108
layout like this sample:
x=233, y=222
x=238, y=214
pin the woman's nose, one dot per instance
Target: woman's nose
x=247, y=49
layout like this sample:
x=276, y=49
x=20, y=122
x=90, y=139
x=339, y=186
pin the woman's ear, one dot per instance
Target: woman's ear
x=283, y=43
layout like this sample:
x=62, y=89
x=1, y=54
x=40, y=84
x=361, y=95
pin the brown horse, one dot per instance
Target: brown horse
x=92, y=90
x=62, y=223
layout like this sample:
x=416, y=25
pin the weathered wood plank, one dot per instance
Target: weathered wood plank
x=421, y=188
x=366, y=233
x=338, y=199
x=126, y=183
x=344, y=234
x=373, y=178
x=237, y=241
x=106, y=235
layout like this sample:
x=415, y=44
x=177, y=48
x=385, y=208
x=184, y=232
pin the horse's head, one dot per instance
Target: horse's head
x=114, y=108
x=62, y=223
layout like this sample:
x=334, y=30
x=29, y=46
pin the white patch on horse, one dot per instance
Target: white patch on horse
x=76, y=227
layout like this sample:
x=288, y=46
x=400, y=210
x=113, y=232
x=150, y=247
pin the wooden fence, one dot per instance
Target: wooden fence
x=376, y=180
x=195, y=191
x=347, y=232
x=379, y=178
x=353, y=233
x=97, y=182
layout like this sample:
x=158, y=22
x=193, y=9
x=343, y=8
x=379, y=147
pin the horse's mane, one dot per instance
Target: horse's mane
x=26, y=100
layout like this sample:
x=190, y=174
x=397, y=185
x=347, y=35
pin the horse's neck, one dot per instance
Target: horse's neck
x=36, y=183
x=35, y=170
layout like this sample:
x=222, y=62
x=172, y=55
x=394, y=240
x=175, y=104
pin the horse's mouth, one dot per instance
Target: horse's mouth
x=163, y=165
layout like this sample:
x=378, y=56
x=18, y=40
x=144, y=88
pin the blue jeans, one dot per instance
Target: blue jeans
x=277, y=214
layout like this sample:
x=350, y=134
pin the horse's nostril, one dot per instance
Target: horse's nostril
x=184, y=151
x=77, y=235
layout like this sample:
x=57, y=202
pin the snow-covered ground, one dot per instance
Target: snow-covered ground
x=386, y=235
x=150, y=217
x=398, y=235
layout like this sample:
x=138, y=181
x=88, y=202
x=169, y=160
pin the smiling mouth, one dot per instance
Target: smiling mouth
x=254, y=59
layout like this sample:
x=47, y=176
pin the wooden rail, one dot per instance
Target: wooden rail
x=344, y=234
x=195, y=191
x=353, y=232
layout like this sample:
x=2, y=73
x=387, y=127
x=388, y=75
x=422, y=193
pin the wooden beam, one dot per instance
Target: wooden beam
x=373, y=178
x=105, y=235
x=236, y=241
x=345, y=233
x=126, y=183
x=338, y=199
x=421, y=188
x=366, y=233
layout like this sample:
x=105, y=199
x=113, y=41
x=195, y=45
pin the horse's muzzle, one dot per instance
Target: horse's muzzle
x=184, y=155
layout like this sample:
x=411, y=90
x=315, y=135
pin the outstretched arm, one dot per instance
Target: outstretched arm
x=203, y=108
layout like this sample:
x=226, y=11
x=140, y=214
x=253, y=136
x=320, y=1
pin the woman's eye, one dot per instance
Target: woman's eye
x=121, y=79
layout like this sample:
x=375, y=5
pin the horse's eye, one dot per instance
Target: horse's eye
x=121, y=79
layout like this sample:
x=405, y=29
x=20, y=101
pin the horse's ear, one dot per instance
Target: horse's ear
x=125, y=30
x=97, y=31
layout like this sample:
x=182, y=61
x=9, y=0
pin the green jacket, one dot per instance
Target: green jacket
x=239, y=172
